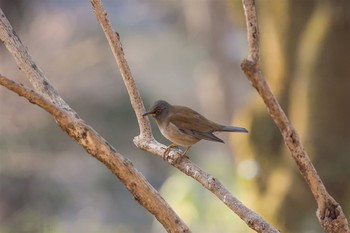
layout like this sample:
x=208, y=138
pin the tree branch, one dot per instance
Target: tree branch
x=117, y=49
x=146, y=141
x=25, y=62
x=49, y=99
x=329, y=213
x=99, y=148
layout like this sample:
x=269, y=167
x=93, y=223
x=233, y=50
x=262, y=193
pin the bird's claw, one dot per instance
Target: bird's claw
x=180, y=157
x=167, y=151
x=166, y=155
x=183, y=155
x=176, y=160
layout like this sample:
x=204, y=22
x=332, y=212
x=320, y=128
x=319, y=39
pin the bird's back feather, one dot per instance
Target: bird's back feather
x=193, y=123
x=187, y=119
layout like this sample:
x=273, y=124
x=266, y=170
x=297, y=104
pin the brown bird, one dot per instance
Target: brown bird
x=184, y=126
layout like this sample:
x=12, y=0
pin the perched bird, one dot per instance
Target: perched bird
x=184, y=126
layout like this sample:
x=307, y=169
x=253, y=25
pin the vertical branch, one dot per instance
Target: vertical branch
x=252, y=30
x=117, y=49
x=99, y=148
x=329, y=213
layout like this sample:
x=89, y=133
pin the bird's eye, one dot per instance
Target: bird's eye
x=158, y=112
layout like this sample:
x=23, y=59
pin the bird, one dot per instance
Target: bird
x=184, y=127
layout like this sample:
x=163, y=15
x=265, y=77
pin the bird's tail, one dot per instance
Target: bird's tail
x=233, y=129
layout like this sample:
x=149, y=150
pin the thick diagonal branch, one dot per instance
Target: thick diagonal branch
x=98, y=147
x=143, y=192
x=330, y=213
x=25, y=62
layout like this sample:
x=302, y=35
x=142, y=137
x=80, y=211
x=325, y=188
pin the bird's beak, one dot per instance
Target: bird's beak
x=148, y=113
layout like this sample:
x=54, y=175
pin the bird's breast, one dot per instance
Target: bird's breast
x=177, y=136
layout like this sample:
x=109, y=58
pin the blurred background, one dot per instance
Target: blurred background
x=189, y=53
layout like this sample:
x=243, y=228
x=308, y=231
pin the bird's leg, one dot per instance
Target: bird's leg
x=182, y=155
x=167, y=150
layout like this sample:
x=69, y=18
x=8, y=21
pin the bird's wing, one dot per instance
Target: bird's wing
x=186, y=118
x=203, y=135
x=193, y=123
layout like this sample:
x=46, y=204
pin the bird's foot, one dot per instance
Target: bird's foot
x=167, y=150
x=182, y=155
x=176, y=160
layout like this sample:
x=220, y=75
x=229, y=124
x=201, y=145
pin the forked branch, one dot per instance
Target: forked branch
x=99, y=148
x=48, y=98
x=329, y=213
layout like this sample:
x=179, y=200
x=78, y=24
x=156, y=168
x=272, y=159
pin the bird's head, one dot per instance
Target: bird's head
x=159, y=110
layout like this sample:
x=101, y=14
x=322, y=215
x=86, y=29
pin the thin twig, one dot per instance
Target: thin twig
x=329, y=213
x=98, y=147
x=117, y=49
x=146, y=141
